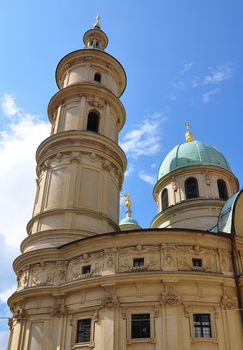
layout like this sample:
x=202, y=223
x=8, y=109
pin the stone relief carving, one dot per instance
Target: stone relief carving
x=225, y=260
x=167, y=257
x=59, y=309
x=126, y=256
x=23, y=278
x=19, y=312
x=170, y=296
x=109, y=299
x=75, y=157
x=42, y=275
x=174, y=186
x=109, y=259
x=207, y=178
x=106, y=165
x=228, y=300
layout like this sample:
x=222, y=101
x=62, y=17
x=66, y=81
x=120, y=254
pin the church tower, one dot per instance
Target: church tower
x=194, y=181
x=87, y=282
x=80, y=167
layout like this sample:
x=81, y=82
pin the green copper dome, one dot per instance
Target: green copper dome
x=189, y=154
x=128, y=221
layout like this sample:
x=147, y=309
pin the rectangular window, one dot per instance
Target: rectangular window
x=86, y=269
x=197, y=262
x=138, y=262
x=140, y=326
x=202, y=326
x=83, y=330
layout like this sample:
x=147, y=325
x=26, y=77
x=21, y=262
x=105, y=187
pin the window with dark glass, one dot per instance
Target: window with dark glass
x=202, y=326
x=165, y=200
x=83, y=330
x=222, y=188
x=138, y=262
x=191, y=188
x=197, y=262
x=86, y=269
x=97, y=77
x=93, y=122
x=140, y=326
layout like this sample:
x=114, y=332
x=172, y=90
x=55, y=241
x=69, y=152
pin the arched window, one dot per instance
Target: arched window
x=165, y=199
x=93, y=121
x=97, y=77
x=191, y=188
x=223, y=193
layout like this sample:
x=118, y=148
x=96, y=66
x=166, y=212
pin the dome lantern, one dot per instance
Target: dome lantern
x=128, y=223
x=95, y=38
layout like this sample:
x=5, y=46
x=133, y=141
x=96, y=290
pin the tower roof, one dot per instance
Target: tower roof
x=95, y=38
x=191, y=154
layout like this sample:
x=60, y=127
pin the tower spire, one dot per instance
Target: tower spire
x=189, y=136
x=128, y=204
x=95, y=38
x=97, y=24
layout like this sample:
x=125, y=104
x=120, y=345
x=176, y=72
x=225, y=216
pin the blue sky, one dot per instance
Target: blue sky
x=183, y=61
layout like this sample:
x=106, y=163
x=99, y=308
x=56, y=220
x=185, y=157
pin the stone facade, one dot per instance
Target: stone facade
x=82, y=282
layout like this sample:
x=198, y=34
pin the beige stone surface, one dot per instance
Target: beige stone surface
x=77, y=264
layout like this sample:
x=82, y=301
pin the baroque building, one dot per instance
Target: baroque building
x=86, y=282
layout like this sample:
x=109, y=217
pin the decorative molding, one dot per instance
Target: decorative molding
x=207, y=178
x=170, y=295
x=228, y=300
x=19, y=312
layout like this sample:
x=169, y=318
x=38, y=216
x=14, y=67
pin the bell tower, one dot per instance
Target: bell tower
x=80, y=166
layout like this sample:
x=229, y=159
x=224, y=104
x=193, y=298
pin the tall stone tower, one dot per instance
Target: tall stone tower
x=86, y=283
x=80, y=167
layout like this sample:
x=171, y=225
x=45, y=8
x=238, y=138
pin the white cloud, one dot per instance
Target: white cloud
x=150, y=179
x=178, y=84
x=206, y=97
x=145, y=139
x=9, y=106
x=195, y=82
x=187, y=67
x=129, y=170
x=4, y=340
x=170, y=97
x=5, y=294
x=18, y=144
x=222, y=73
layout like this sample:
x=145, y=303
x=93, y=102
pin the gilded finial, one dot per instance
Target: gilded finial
x=128, y=204
x=97, y=24
x=188, y=135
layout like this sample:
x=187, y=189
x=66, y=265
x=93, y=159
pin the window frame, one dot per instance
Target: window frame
x=94, y=112
x=97, y=74
x=79, y=317
x=84, y=267
x=202, y=327
x=138, y=259
x=77, y=330
x=186, y=188
x=199, y=309
x=139, y=322
x=164, y=199
x=223, y=190
x=142, y=311
x=194, y=260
